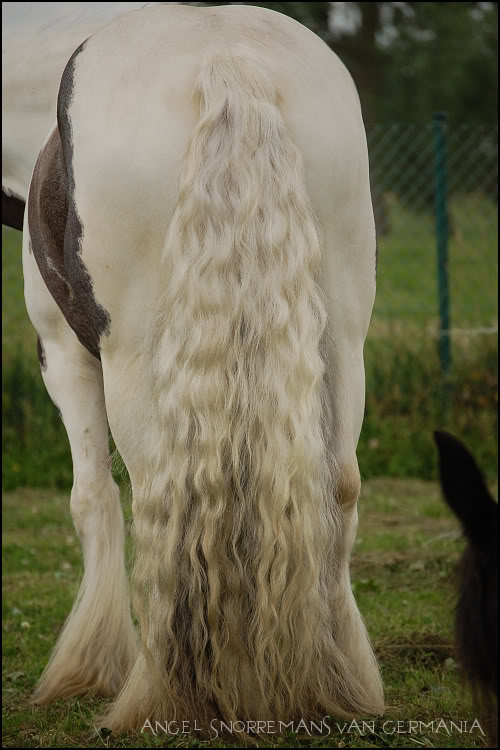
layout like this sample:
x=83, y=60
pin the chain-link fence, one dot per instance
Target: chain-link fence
x=435, y=196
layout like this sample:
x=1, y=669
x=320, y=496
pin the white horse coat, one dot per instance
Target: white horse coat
x=37, y=41
x=220, y=333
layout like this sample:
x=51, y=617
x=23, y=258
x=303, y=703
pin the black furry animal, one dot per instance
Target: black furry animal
x=476, y=624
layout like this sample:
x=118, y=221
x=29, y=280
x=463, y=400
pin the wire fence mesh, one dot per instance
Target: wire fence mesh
x=408, y=166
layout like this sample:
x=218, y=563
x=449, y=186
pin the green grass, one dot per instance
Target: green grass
x=17, y=332
x=407, y=291
x=406, y=283
x=403, y=571
x=407, y=543
x=407, y=397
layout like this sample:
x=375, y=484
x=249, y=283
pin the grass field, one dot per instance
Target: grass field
x=407, y=396
x=407, y=543
x=406, y=280
x=407, y=291
x=403, y=565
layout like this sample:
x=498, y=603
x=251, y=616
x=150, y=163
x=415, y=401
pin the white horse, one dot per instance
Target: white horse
x=199, y=262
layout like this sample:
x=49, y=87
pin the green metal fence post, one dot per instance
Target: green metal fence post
x=442, y=230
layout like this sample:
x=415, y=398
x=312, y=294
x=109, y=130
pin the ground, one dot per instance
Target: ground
x=403, y=571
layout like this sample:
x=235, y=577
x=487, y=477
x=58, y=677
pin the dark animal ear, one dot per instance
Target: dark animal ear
x=465, y=491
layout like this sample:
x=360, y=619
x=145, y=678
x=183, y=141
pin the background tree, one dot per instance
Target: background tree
x=409, y=59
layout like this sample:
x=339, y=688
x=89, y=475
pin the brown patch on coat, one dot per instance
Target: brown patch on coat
x=56, y=230
x=41, y=354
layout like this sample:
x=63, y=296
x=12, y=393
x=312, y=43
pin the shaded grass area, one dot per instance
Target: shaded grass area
x=403, y=572
x=407, y=398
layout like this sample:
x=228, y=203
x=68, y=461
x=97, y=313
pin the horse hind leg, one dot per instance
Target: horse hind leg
x=97, y=646
x=346, y=387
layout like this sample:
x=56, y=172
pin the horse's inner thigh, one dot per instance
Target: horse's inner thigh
x=130, y=408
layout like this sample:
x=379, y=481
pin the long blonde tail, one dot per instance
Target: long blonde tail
x=237, y=526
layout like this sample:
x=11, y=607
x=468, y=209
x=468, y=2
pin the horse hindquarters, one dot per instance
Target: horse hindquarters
x=244, y=499
x=242, y=574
